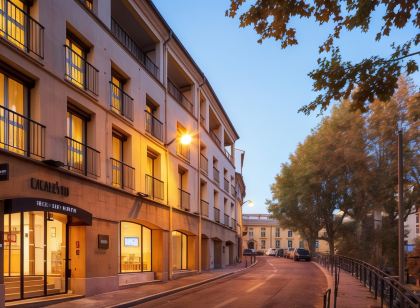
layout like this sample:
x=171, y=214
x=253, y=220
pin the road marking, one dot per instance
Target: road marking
x=255, y=287
x=226, y=302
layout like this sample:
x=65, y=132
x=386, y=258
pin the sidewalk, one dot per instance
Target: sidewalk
x=150, y=291
x=351, y=292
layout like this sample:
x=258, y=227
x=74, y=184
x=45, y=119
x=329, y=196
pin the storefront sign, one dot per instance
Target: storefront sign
x=103, y=241
x=50, y=187
x=4, y=172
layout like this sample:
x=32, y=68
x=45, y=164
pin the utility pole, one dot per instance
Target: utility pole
x=400, y=210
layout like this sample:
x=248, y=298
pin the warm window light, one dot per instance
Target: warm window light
x=185, y=139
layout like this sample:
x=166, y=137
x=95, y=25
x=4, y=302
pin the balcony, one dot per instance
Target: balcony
x=232, y=190
x=123, y=175
x=215, y=139
x=125, y=39
x=233, y=224
x=203, y=120
x=226, y=222
x=82, y=158
x=228, y=155
x=184, y=199
x=216, y=215
x=204, y=208
x=80, y=72
x=154, y=126
x=216, y=175
x=226, y=185
x=179, y=97
x=121, y=102
x=183, y=150
x=20, y=134
x=20, y=29
x=204, y=163
x=154, y=187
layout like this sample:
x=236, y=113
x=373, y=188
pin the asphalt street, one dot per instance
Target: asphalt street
x=273, y=282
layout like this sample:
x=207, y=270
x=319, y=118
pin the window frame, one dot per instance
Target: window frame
x=186, y=251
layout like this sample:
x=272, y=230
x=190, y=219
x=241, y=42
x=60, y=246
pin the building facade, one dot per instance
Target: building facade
x=98, y=189
x=262, y=232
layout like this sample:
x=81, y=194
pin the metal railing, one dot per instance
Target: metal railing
x=216, y=214
x=204, y=163
x=80, y=72
x=180, y=97
x=227, y=154
x=232, y=190
x=20, y=134
x=233, y=225
x=216, y=175
x=203, y=120
x=184, y=199
x=154, y=187
x=215, y=138
x=121, y=102
x=226, y=185
x=87, y=3
x=390, y=291
x=125, y=39
x=227, y=218
x=20, y=29
x=183, y=150
x=154, y=126
x=123, y=175
x=82, y=158
x=204, y=208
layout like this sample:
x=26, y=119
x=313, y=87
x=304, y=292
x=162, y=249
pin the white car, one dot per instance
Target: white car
x=271, y=252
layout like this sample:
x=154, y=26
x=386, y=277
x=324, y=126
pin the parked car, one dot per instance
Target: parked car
x=301, y=254
x=249, y=252
x=280, y=252
x=288, y=253
x=260, y=252
x=271, y=252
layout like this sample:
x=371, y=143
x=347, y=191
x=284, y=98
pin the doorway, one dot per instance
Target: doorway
x=35, y=254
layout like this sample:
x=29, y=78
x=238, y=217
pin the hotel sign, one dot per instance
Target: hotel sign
x=50, y=187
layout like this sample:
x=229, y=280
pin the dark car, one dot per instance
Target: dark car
x=249, y=252
x=301, y=254
x=280, y=253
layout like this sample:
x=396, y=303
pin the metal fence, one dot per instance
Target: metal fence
x=154, y=126
x=123, y=175
x=154, y=187
x=121, y=102
x=82, y=158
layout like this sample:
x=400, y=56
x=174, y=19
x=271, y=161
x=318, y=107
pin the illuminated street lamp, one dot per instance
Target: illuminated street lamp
x=250, y=203
x=184, y=139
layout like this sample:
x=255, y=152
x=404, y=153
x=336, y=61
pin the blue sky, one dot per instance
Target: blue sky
x=262, y=86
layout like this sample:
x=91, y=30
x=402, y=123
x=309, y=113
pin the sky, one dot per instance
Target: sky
x=262, y=86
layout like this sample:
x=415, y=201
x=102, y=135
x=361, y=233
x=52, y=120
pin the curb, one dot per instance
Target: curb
x=327, y=275
x=176, y=290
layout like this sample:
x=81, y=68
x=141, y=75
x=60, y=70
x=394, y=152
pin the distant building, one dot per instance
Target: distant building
x=262, y=232
x=412, y=226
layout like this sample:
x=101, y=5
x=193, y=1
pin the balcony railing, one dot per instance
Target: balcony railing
x=154, y=126
x=232, y=190
x=179, y=97
x=215, y=138
x=80, y=72
x=204, y=208
x=227, y=154
x=154, y=187
x=216, y=215
x=183, y=150
x=233, y=224
x=20, y=134
x=184, y=199
x=204, y=163
x=121, y=102
x=227, y=218
x=203, y=120
x=123, y=175
x=226, y=185
x=125, y=39
x=82, y=158
x=20, y=29
x=216, y=175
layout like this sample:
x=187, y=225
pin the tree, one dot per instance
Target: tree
x=372, y=78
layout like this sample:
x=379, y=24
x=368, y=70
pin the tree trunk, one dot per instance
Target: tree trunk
x=331, y=246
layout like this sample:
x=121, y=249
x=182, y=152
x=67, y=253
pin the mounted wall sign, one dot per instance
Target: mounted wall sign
x=4, y=172
x=103, y=241
x=50, y=187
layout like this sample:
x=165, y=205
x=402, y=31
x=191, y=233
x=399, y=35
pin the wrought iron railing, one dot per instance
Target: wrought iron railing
x=227, y=154
x=227, y=218
x=203, y=120
x=80, y=72
x=82, y=158
x=184, y=199
x=121, y=102
x=216, y=175
x=204, y=163
x=20, y=29
x=215, y=138
x=216, y=215
x=154, y=187
x=232, y=190
x=125, y=39
x=180, y=97
x=154, y=126
x=390, y=291
x=226, y=185
x=123, y=175
x=183, y=150
x=204, y=208
x=233, y=224
x=20, y=134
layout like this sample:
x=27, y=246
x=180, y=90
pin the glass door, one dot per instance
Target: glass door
x=12, y=256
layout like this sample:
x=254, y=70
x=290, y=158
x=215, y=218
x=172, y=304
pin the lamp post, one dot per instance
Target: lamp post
x=400, y=210
x=250, y=203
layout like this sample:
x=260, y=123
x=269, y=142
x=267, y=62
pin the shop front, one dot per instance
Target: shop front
x=36, y=246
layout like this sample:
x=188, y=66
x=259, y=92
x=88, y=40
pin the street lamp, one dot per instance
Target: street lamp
x=250, y=203
x=184, y=139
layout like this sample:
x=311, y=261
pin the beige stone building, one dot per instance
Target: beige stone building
x=262, y=232
x=117, y=160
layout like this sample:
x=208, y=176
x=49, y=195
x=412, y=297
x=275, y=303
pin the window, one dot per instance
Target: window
x=289, y=233
x=417, y=229
x=262, y=232
x=301, y=244
x=262, y=244
x=316, y=244
x=289, y=244
x=277, y=243
x=153, y=125
x=75, y=62
x=154, y=186
x=277, y=232
x=182, y=149
x=184, y=196
x=88, y=4
x=12, y=22
x=417, y=218
x=251, y=232
x=116, y=92
x=136, y=248
x=76, y=140
x=117, y=158
x=179, y=251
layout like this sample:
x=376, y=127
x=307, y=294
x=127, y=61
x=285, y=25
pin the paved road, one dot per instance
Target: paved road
x=273, y=282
